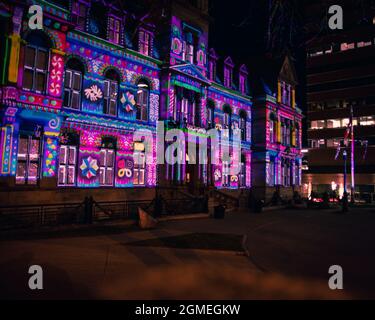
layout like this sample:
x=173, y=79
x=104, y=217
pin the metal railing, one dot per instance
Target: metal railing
x=90, y=211
x=40, y=215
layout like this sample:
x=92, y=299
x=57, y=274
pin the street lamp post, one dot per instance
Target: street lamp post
x=345, y=196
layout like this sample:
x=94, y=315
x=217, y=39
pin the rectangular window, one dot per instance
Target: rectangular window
x=317, y=124
x=114, y=27
x=184, y=109
x=243, y=128
x=142, y=104
x=210, y=117
x=79, y=10
x=227, y=77
x=286, y=93
x=242, y=84
x=139, y=168
x=144, y=42
x=367, y=121
x=72, y=89
x=272, y=129
x=110, y=97
x=189, y=56
x=286, y=174
x=28, y=159
x=242, y=175
x=212, y=68
x=67, y=165
x=35, y=69
x=226, y=171
x=271, y=173
x=107, y=162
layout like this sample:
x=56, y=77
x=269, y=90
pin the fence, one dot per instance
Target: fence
x=90, y=211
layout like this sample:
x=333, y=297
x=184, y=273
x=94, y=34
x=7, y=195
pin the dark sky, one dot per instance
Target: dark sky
x=239, y=29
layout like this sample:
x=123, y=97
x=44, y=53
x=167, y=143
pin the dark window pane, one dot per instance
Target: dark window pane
x=28, y=79
x=106, y=88
x=113, y=89
x=22, y=148
x=63, y=155
x=71, y=175
x=102, y=158
x=34, y=147
x=41, y=61
x=75, y=100
x=77, y=81
x=67, y=98
x=40, y=81
x=109, y=177
x=110, y=158
x=61, y=175
x=101, y=176
x=21, y=170
x=72, y=155
x=29, y=56
x=112, y=110
x=33, y=172
x=68, y=77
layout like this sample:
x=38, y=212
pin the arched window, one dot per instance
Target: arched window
x=210, y=114
x=107, y=161
x=227, y=121
x=143, y=92
x=111, y=83
x=73, y=84
x=36, y=62
x=243, y=117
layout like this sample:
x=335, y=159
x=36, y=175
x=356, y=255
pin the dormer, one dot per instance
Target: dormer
x=145, y=40
x=286, y=84
x=79, y=13
x=242, y=81
x=228, y=72
x=114, y=27
x=212, y=63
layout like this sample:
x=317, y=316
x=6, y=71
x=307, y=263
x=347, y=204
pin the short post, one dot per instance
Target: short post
x=345, y=195
x=88, y=209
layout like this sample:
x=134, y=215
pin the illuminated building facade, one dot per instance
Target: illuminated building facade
x=74, y=93
x=277, y=137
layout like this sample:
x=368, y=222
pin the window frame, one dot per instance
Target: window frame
x=114, y=35
x=67, y=165
x=81, y=18
x=228, y=76
x=108, y=97
x=35, y=70
x=105, y=167
x=139, y=168
x=71, y=90
x=28, y=161
x=144, y=42
x=142, y=113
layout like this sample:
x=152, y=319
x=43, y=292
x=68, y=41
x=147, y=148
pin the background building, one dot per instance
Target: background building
x=340, y=75
x=277, y=158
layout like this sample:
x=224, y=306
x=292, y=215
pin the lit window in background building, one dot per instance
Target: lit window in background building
x=317, y=124
x=334, y=123
x=333, y=143
x=347, y=46
x=367, y=121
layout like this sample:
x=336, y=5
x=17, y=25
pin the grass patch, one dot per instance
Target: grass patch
x=205, y=241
